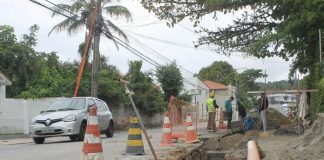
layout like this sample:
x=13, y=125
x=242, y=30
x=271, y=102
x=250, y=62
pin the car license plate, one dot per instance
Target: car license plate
x=48, y=130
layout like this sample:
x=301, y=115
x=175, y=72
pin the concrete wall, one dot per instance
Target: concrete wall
x=121, y=115
x=16, y=114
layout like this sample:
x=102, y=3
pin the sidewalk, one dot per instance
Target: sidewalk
x=11, y=139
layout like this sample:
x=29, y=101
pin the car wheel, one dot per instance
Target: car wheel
x=80, y=136
x=74, y=138
x=110, y=129
x=39, y=140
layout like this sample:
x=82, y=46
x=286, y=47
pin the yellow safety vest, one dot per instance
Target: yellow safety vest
x=210, y=105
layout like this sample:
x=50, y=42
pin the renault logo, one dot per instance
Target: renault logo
x=48, y=122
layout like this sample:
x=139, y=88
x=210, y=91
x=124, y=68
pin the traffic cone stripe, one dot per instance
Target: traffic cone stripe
x=134, y=120
x=93, y=156
x=134, y=131
x=93, y=129
x=190, y=128
x=92, y=148
x=167, y=125
x=135, y=143
x=166, y=130
x=166, y=120
x=92, y=120
x=89, y=138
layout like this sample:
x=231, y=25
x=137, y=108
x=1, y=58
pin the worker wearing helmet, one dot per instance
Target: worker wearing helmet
x=211, y=108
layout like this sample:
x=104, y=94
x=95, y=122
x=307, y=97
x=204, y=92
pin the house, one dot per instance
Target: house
x=201, y=92
x=4, y=81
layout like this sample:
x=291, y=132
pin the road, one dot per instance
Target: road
x=61, y=148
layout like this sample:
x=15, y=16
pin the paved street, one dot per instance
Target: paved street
x=61, y=148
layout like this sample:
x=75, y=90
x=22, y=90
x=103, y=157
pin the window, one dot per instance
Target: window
x=100, y=106
x=91, y=102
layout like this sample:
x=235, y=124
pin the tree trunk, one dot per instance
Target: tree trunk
x=96, y=53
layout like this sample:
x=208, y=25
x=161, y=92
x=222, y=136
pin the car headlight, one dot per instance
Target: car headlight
x=69, y=118
x=33, y=121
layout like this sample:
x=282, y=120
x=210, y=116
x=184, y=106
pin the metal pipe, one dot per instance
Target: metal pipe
x=253, y=153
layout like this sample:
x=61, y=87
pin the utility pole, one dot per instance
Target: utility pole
x=320, y=44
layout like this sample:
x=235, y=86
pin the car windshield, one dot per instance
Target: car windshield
x=67, y=104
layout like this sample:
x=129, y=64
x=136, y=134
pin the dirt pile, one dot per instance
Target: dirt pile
x=310, y=146
x=274, y=118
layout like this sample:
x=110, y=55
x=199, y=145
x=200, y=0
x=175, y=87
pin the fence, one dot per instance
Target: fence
x=178, y=114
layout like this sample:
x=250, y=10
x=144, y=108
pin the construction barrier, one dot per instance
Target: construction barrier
x=92, y=147
x=178, y=115
x=135, y=145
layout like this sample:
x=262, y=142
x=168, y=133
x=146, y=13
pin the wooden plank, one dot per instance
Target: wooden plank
x=282, y=91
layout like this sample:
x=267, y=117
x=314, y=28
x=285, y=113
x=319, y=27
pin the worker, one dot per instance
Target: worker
x=241, y=112
x=211, y=108
x=248, y=123
x=229, y=111
x=263, y=105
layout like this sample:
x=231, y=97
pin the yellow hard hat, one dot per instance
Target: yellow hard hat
x=212, y=94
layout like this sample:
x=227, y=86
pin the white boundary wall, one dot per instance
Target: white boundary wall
x=16, y=114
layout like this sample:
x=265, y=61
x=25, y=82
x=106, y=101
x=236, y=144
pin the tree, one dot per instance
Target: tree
x=171, y=79
x=246, y=82
x=147, y=97
x=18, y=60
x=219, y=71
x=285, y=28
x=82, y=15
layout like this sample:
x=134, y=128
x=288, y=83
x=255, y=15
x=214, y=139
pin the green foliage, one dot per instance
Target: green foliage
x=246, y=82
x=110, y=88
x=220, y=72
x=185, y=97
x=171, y=79
x=83, y=12
x=147, y=97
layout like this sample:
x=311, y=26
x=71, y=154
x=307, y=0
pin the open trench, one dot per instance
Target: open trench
x=229, y=147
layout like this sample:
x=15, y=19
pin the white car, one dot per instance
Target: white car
x=68, y=117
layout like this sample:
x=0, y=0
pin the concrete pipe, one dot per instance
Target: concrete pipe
x=253, y=153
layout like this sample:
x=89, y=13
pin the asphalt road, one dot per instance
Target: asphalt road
x=61, y=148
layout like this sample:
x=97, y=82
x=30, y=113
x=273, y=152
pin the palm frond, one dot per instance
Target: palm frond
x=60, y=8
x=110, y=36
x=116, y=29
x=76, y=6
x=118, y=11
x=66, y=24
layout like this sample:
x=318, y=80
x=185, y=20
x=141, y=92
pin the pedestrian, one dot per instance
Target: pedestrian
x=229, y=111
x=211, y=108
x=263, y=105
x=241, y=111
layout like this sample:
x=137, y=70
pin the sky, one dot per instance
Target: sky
x=146, y=33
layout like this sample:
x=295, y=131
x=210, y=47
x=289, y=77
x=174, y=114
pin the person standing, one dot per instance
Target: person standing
x=229, y=111
x=263, y=105
x=211, y=108
x=241, y=111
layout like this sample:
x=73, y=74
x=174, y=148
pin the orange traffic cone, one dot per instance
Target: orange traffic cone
x=191, y=135
x=221, y=122
x=166, y=136
x=92, y=148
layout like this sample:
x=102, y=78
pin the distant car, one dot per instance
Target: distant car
x=68, y=117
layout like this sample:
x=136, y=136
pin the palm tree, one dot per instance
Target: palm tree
x=81, y=13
